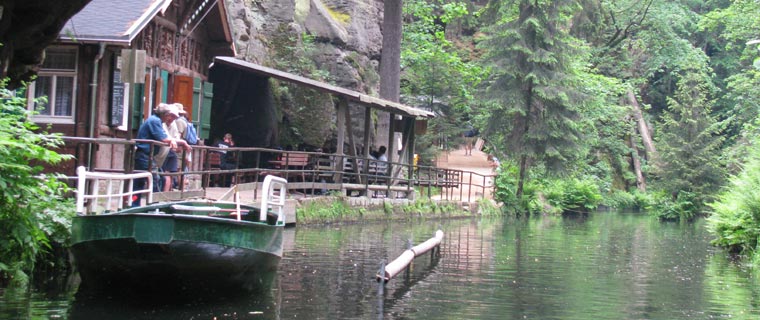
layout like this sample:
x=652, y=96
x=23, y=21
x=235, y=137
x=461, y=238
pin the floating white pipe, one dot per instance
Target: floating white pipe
x=406, y=258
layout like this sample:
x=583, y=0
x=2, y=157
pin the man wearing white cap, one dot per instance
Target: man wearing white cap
x=152, y=129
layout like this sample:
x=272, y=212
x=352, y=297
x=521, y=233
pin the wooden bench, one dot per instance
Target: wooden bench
x=292, y=161
x=214, y=162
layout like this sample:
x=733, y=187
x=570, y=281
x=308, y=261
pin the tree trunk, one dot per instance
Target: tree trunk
x=641, y=183
x=390, y=58
x=523, y=173
x=390, y=69
x=643, y=127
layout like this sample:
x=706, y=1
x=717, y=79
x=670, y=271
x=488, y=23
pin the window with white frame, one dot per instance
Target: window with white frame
x=56, y=80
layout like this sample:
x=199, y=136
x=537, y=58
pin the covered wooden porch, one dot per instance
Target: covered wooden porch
x=243, y=88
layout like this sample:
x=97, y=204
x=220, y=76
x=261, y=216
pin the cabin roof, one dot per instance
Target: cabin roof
x=112, y=21
x=120, y=21
x=355, y=96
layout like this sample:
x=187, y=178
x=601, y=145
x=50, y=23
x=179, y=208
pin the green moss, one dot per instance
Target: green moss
x=339, y=16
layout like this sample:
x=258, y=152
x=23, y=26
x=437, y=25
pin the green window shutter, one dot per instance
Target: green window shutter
x=164, y=85
x=197, y=90
x=208, y=95
x=137, y=104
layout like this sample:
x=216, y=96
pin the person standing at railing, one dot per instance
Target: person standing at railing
x=183, y=127
x=152, y=129
x=172, y=159
x=228, y=158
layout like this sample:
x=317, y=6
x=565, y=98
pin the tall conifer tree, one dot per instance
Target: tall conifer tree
x=534, y=105
x=691, y=139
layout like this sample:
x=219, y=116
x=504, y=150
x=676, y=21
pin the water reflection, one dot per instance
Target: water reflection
x=600, y=266
x=238, y=306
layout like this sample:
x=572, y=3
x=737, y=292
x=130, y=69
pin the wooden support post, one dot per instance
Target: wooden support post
x=392, y=139
x=367, y=126
x=352, y=152
x=341, y=125
x=367, y=122
x=410, y=146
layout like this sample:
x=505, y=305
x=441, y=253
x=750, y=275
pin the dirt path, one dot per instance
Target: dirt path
x=477, y=163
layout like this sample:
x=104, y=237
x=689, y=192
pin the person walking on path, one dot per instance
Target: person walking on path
x=469, y=139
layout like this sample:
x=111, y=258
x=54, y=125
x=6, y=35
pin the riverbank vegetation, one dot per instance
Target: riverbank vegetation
x=35, y=215
x=648, y=105
x=735, y=215
x=334, y=209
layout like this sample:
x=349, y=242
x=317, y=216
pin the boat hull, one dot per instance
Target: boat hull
x=174, y=252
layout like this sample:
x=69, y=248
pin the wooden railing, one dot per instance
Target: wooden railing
x=310, y=173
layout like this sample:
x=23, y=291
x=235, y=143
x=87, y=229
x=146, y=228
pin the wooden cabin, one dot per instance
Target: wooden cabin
x=82, y=72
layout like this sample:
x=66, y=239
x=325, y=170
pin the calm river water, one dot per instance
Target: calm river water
x=604, y=266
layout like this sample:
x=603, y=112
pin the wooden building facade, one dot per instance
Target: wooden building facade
x=81, y=73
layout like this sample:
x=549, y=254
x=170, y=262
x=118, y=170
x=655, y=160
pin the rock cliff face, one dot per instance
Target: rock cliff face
x=335, y=41
x=346, y=32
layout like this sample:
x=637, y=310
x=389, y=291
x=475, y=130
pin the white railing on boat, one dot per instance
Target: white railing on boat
x=116, y=193
x=275, y=191
x=119, y=189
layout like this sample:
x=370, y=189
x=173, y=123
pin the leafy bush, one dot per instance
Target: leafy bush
x=33, y=209
x=633, y=200
x=564, y=195
x=580, y=195
x=735, y=218
x=505, y=190
x=684, y=207
x=545, y=196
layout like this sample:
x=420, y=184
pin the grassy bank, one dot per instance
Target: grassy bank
x=338, y=209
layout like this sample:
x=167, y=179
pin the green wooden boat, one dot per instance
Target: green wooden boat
x=176, y=247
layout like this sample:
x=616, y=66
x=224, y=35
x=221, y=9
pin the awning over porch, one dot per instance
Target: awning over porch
x=350, y=95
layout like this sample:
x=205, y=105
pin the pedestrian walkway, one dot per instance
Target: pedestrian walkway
x=477, y=163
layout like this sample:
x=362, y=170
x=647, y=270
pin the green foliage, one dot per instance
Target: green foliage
x=569, y=195
x=735, y=218
x=684, y=207
x=487, y=208
x=329, y=210
x=425, y=207
x=580, y=195
x=437, y=73
x=535, y=86
x=387, y=208
x=690, y=141
x=545, y=195
x=505, y=187
x=33, y=209
x=633, y=200
x=307, y=113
